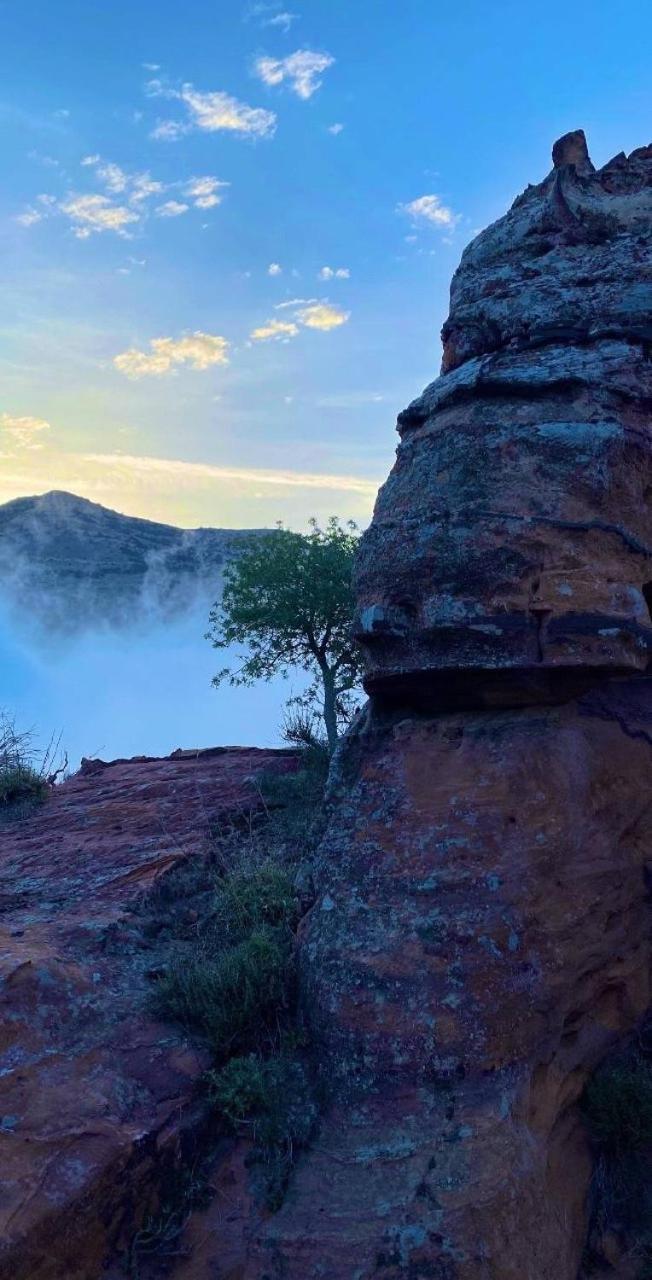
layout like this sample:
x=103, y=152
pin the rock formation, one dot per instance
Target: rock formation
x=95, y=1096
x=481, y=938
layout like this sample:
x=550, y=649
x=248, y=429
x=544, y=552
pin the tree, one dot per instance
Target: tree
x=288, y=599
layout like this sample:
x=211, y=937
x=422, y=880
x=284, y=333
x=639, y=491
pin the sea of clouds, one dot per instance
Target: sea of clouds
x=139, y=689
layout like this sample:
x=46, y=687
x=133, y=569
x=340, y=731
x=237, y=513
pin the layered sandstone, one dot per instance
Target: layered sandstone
x=482, y=935
x=509, y=558
x=95, y=1096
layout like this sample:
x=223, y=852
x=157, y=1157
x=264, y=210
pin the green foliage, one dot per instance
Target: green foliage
x=272, y=1101
x=237, y=982
x=288, y=600
x=618, y=1107
x=22, y=783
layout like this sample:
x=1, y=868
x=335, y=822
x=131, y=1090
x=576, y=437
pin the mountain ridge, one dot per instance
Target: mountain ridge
x=68, y=562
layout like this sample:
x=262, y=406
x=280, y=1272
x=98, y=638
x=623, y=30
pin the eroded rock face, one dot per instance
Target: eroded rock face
x=94, y=1094
x=482, y=936
x=510, y=553
x=482, y=939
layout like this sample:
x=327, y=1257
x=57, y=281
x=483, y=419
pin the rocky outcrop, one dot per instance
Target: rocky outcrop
x=510, y=555
x=95, y=1096
x=482, y=935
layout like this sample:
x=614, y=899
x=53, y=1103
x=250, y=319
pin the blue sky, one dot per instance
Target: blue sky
x=160, y=158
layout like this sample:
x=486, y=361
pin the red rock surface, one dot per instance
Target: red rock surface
x=93, y=1093
x=482, y=939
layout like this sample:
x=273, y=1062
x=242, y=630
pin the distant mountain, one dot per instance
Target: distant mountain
x=69, y=563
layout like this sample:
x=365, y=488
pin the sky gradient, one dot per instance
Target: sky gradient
x=228, y=230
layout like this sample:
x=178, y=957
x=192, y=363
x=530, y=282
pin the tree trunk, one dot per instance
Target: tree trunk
x=330, y=712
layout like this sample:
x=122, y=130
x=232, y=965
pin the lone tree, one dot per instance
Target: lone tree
x=288, y=601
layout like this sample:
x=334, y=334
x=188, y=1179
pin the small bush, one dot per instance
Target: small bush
x=272, y=1101
x=235, y=984
x=233, y=996
x=24, y=780
x=248, y=901
x=20, y=784
x=618, y=1107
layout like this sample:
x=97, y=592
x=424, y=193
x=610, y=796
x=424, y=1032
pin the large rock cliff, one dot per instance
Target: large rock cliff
x=482, y=935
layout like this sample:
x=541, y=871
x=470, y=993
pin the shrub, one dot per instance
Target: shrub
x=271, y=1100
x=22, y=783
x=237, y=980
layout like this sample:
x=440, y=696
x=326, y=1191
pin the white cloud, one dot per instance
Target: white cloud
x=430, y=209
x=151, y=66
x=309, y=314
x=205, y=192
x=335, y=128
x=301, y=70
x=282, y=20
x=29, y=217
x=142, y=186
x=98, y=211
x=171, y=209
x=23, y=432
x=211, y=112
x=94, y=213
x=168, y=131
x=280, y=330
x=113, y=177
x=334, y=273
x=198, y=350
x=274, y=269
x=321, y=315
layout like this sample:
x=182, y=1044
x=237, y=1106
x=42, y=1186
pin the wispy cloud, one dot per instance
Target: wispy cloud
x=198, y=350
x=205, y=193
x=171, y=209
x=335, y=128
x=275, y=329
x=274, y=269
x=94, y=213
x=301, y=70
x=281, y=20
x=211, y=112
x=430, y=209
x=22, y=431
x=334, y=273
x=181, y=470
x=306, y=314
